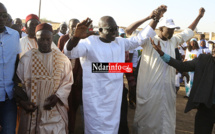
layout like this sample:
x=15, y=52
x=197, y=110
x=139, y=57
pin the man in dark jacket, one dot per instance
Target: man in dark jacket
x=75, y=97
x=202, y=94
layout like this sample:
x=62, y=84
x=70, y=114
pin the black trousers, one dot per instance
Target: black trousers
x=123, y=125
x=204, y=120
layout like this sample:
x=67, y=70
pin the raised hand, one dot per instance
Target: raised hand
x=160, y=11
x=157, y=47
x=153, y=14
x=81, y=30
x=201, y=12
x=198, y=18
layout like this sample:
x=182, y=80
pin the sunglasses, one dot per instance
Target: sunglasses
x=111, y=29
x=3, y=15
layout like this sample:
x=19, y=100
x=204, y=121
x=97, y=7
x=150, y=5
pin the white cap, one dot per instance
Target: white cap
x=193, y=39
x=121, y=31
x=167, y=22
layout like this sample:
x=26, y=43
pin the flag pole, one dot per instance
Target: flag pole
x=39, y=9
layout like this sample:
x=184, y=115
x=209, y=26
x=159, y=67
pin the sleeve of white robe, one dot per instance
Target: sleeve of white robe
x=79, y=51
x=183, y=36
x=24, y=72
x=187, y=55
x=65, y=84
x=140, y=39
x=20, y=71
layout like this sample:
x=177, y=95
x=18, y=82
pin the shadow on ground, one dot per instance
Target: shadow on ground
x=184, y=122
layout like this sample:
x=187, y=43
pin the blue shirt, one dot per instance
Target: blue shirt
x=9, y=48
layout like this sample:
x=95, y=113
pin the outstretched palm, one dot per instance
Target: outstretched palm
x=157, y=47
x=81, y=30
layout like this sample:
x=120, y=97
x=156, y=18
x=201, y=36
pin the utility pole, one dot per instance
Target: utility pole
x=39, y=9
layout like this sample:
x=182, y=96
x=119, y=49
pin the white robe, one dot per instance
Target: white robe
x=29, y=43
x=156, y=95
x=58, y=82
x=102, y=92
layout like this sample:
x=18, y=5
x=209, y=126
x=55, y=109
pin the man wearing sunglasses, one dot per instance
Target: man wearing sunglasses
x=9, y=49
x=102, y=92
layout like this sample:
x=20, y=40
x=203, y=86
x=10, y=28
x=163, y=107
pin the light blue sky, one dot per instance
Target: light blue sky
x=124, y=12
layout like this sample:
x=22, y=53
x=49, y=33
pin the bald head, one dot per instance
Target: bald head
x=2, y=7
x=106, y=21
x=107, y=29
x=73, y=20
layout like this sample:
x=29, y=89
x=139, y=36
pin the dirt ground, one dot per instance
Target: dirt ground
x=184, y=122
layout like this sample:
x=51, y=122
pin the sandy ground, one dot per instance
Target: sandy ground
x=184, y=122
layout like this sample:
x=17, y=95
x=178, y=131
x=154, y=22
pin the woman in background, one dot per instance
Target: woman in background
x=192, y=51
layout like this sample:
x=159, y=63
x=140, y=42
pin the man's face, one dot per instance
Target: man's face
x=167, y=32
x=44, y=40
x=63, y=28
x=192, y=43
x=31, y=26
x=72, y=25
x=109, y=30
x=3, y=16
x=18, y=22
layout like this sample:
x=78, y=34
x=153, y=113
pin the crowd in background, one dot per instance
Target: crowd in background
x=46, y=75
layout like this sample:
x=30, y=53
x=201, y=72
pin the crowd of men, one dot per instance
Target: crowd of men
x=46, y=76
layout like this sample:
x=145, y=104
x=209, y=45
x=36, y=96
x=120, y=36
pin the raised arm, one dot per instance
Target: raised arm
x=196, y=21
x=81, y=32
x=159, y=13
x=179, y=65
x=135, y=25
x=155, y=15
